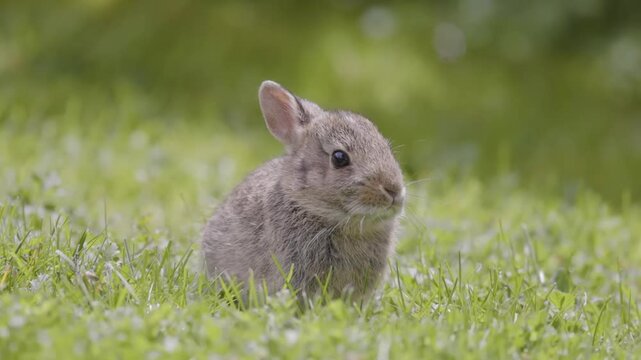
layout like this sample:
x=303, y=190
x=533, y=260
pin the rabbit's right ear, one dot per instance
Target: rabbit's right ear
x=282, y=111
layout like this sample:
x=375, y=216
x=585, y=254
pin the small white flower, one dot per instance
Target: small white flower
x=171, y=343
x=17, y=321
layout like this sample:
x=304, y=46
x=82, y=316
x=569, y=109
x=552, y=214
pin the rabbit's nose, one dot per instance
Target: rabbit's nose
x=390, y=190
x=395, y=191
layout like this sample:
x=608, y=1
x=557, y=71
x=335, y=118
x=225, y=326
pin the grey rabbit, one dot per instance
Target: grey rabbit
x=327, y=209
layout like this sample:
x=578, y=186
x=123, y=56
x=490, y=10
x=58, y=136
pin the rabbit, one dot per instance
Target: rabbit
x=327, y=210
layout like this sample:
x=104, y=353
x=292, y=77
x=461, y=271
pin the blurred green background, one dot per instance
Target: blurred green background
x=543, y=94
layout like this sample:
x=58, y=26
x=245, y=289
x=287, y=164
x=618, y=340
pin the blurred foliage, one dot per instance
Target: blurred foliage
x=545, y=93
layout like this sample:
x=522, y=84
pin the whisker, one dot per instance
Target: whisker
x=420, y=226
x=429, y=178
x=415, y=196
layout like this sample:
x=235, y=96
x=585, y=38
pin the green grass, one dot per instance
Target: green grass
x=122, y=124
x=99, y=256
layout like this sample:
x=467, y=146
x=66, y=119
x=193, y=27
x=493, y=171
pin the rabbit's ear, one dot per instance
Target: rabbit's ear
x=284, y=113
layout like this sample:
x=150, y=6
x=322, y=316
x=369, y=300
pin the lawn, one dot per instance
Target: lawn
x=518, y=127
x=99, y=255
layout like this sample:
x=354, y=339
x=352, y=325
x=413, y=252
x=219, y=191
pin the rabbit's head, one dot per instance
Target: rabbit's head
x=337, y=165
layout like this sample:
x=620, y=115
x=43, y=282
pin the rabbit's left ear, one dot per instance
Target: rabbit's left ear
x=284, y=113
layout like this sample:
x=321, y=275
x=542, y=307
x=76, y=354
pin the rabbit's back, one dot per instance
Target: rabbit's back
x=234, y=239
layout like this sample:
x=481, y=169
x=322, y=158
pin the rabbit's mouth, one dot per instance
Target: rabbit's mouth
x=362, y=219
x=377, y=201
x=383, y=211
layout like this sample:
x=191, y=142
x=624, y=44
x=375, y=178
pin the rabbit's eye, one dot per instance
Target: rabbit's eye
x=340, y=159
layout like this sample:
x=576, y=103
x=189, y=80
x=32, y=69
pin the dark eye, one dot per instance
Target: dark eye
x=340, y=159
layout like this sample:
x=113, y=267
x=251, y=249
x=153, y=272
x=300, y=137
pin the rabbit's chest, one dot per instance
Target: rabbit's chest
x=358, y=256
x=351, y=263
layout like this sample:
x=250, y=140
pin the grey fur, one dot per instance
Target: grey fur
x=305, y=213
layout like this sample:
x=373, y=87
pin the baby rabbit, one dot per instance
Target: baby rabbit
x=326, y=210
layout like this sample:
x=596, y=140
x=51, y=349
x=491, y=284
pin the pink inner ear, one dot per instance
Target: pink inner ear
x=282, y=97
x=280, y=112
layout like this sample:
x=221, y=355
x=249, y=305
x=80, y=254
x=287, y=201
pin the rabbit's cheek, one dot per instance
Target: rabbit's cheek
x=374, y=198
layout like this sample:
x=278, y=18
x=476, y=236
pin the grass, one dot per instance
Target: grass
x=100, y=213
